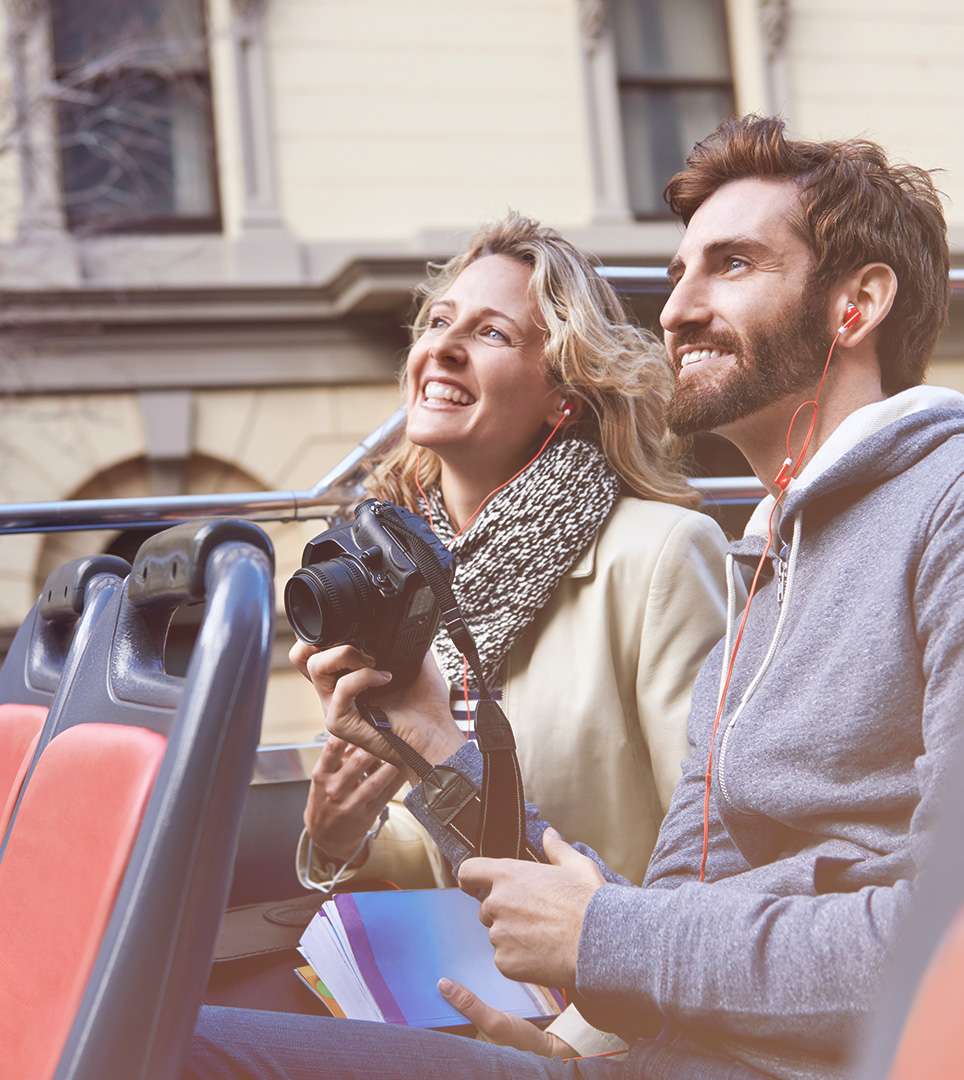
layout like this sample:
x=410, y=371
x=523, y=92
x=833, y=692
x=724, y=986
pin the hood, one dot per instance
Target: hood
x=871, y=445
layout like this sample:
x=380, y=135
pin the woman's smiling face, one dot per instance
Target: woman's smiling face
x=475, y=377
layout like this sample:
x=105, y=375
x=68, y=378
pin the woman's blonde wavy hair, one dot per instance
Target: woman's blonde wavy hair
x=592, y=352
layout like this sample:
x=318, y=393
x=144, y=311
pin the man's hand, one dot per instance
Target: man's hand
x=420, y=714
x=348, y=788
x=501, y=1028
x=534, y=911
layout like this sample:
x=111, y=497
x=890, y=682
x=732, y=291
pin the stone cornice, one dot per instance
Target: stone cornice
x=97, y=356
x=358, y=294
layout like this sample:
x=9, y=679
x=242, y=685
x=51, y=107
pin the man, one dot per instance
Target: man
x=843, y=707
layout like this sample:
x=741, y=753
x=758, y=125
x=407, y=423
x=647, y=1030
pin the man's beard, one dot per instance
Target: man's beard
x=769, y=365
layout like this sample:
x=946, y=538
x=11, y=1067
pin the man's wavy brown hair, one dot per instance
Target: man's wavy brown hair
x=855, y=208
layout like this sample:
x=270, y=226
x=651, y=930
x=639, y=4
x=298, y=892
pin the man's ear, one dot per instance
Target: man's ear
x=872, y=290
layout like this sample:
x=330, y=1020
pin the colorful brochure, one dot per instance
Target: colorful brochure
x=379, y=956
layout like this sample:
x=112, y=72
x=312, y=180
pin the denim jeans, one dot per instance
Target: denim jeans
x=245, y=1044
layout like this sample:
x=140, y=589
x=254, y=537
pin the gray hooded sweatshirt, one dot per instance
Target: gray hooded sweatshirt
x=843, y=713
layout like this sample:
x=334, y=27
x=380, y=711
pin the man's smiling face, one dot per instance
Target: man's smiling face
x=745, y=325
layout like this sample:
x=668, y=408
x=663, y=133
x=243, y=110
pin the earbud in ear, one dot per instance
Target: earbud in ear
x=565, y=408
x=852, y=316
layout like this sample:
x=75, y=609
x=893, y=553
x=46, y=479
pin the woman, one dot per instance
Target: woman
x=593, y=590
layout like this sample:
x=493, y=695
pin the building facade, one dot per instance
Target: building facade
x=212, y=212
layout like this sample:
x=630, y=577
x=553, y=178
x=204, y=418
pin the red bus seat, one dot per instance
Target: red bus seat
x=104, y=773
x=932, y=1043
x=19, y=733
x=37, y=659
x=916, y=1030
x=118, y=857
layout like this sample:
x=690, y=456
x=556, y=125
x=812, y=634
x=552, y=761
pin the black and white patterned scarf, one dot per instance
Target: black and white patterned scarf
x=512, y=557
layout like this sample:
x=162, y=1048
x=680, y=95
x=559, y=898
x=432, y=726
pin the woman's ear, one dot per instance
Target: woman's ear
x=566, y=406
x=871, y=290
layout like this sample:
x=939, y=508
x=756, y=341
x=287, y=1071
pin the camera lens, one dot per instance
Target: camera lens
x=323, y=602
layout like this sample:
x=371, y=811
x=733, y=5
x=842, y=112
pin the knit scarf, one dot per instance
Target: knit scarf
x=512, y=557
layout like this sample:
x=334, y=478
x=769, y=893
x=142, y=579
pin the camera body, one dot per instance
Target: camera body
x=359, y=584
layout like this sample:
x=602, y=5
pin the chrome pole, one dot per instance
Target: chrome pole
x=336, y=488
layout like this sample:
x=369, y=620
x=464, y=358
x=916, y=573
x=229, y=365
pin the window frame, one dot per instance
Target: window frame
x=672, y=82
x=158, y=224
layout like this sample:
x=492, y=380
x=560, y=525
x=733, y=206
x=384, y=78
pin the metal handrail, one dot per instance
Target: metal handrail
x=339, y=487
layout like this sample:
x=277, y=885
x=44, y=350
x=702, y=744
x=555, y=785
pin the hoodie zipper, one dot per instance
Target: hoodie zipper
x=783, y=565
x=788, y=558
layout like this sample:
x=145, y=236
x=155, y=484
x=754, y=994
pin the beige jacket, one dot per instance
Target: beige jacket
x=598, y=691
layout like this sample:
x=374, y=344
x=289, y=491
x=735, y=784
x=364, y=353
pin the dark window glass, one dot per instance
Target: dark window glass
x=134, y=104
x=675, y=86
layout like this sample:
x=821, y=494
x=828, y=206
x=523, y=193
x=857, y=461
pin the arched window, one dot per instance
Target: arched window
x=128, y=479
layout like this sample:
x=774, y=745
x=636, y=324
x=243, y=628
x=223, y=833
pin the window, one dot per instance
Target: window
x=675, y=86
x=134, y=110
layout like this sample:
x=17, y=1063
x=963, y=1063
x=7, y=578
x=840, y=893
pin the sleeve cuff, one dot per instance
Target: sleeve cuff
x=467, y=760
x=315, y=872
x=622, y=951
x=578, y=1033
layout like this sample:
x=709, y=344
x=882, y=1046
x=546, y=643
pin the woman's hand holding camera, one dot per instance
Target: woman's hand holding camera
x=419, y=714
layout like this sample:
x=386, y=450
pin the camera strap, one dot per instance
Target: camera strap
x=408, y=755
x=501, y=829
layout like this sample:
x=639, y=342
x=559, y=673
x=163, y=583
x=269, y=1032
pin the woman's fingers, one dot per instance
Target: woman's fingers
x=327, y=664
x=325, y=668
x=493, y=1024
x=380, y=785
x=299, y=653
x=347, y=785
x=339, y=756
x=331, y=757
x=342, y=697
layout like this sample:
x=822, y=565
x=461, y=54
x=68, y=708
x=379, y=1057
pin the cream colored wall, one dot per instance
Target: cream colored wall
x=394, y=117
x=391, y=118
x=948, y=372
x=889, y=69
x=747, y=56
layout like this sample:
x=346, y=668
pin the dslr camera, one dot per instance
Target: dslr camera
x=364, y=583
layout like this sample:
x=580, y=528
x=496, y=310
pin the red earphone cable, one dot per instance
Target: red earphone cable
x=721, y=705
x=815, y=402
x=495, y=491
x=788, y=470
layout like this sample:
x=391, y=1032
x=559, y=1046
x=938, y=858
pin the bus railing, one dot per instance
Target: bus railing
x=335, y=490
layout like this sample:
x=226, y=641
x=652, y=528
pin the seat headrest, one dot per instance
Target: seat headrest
x=170, y=566
x=64, y=591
